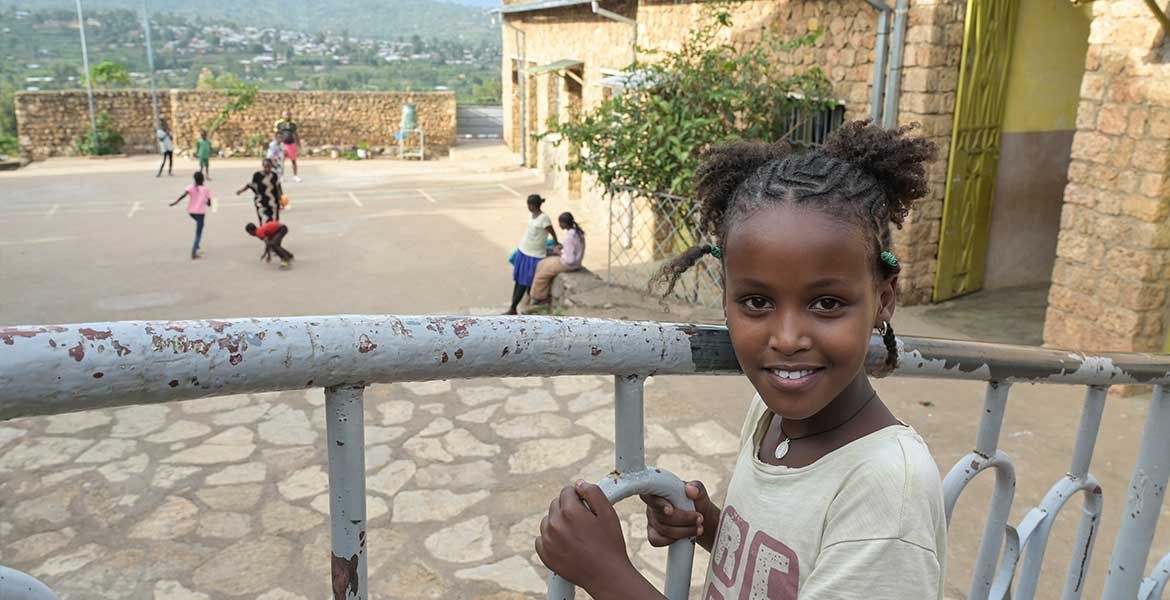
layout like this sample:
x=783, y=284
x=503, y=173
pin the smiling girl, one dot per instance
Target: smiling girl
x=831, y=495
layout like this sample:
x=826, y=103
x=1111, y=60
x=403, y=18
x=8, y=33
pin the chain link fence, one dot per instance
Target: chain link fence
x=648, y=229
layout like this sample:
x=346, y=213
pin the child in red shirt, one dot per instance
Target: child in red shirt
x=271, y=233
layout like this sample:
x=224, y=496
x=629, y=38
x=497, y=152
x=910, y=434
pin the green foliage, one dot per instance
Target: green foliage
x=109, y=140
x=7, y=107
x=240, y=95
x=109, y=74
x=9, y=145
x=649, y=136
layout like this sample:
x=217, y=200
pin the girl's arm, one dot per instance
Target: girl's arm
x=553, y=233
x=241, y=190
x=180, y=199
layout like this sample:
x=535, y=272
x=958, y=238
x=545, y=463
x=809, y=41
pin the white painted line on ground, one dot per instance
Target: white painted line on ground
x=133, y=209
x=512, y=191
x=53, y=210
x=355, y=200
x=428, y=197
x=46, y=240
x=214, y=205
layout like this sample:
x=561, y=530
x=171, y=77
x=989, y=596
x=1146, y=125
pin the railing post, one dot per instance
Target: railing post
x=629, y=424
x=1143, y=504
x=347, y=491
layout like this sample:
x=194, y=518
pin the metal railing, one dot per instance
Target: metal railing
x=65, y=368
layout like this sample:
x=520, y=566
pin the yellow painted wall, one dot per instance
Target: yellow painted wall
x=1048, y=60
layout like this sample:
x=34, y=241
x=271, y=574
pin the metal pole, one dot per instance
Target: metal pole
x=88, y=76
x=629, y=420
x=347, y=491
x=15, y=585
x=894, y=76
x=1143, y=503
x=150, y=63
x=879, y=61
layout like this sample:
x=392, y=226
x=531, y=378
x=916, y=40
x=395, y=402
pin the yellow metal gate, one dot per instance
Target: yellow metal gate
x=974, y=155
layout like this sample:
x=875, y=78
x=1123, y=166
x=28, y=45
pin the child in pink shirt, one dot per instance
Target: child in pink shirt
x=198, y=199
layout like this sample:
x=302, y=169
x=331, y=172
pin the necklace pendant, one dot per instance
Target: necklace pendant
x=782, y=450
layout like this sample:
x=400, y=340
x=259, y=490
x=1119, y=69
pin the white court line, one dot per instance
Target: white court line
x=512, y=191
x=355, y=200
x=53, y=210
x=46, y=240
x=133, y=209
x=428, y=197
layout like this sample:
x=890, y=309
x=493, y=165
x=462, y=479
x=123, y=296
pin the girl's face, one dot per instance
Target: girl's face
x=801, y=301
x=565, y=225
x=533, y=207
x=267, y=166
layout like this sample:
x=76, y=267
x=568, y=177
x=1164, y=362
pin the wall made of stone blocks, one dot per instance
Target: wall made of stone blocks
x=1109, y=285
x=49, y=122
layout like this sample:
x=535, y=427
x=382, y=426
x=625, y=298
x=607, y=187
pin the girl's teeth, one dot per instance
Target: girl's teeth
x=793, y=374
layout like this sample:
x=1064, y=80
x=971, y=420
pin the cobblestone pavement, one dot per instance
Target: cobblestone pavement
x=226, y=497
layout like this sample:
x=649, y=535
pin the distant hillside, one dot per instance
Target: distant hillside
x=385, y=19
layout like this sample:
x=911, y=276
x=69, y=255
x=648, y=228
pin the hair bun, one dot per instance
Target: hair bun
x=723, y=169
x=896, y=160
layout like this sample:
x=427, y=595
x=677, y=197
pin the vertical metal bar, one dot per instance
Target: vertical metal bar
x=347, y=491
x=629, y=424
x=1143, y=503
x=894, y=74
x=1087, y=434
x=16, y=585
x=150, y=63
x=994, y=405
x=88, y=76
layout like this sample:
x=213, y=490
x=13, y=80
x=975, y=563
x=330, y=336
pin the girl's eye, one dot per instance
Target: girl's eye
x=756, y=303
x=827, y=304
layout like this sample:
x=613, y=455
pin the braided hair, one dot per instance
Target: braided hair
x=865, y=174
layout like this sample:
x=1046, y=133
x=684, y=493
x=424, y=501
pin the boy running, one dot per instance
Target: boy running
x=203, y=153
x=286, y=130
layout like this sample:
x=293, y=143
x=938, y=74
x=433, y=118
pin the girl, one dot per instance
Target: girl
x=531, y=250
x=568, y=258
x=265, y=185
x=831, y=496
x=198, y=199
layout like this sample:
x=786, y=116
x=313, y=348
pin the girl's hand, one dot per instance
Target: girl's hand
x=584, y=544
x=666, y=524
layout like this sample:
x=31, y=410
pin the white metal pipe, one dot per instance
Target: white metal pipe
x=347, y=491
x=629, y=424
x=16, y=585
x=150, y=63
x=894, y=76
x=88, y=76
x=881, y=50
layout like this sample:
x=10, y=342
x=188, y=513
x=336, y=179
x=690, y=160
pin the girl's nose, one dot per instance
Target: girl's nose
x=789, y=335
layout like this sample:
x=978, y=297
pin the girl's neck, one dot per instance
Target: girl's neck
x=535, y=213
x=846, y=404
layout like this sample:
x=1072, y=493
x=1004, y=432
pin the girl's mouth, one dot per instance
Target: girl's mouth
x=794, y=380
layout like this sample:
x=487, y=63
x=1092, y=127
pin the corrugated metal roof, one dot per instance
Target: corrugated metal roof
x=556, y=66
x=539, y=5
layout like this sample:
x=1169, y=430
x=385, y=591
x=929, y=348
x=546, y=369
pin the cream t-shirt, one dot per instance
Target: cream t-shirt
x=536, y=236
x=864, y=521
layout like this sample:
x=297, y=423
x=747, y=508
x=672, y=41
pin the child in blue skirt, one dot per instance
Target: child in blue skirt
x=533, y=247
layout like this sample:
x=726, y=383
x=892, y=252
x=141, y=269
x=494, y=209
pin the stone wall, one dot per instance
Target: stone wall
x=1109, y=282
x=844, y=50
x=49, y=122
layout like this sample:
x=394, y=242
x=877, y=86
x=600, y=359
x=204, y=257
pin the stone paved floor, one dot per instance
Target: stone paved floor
x=226, y=497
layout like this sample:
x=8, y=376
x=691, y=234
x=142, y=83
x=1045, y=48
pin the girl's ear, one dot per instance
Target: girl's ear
x=887, y=295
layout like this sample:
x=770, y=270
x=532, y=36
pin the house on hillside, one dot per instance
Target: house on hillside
x=1052, y=119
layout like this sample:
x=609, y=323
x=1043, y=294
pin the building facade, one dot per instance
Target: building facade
x=1052, y=121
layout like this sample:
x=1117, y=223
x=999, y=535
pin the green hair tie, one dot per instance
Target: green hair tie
x=715, y=251
x=889, y=258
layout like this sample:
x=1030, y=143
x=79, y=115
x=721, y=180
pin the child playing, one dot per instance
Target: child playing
x=831, y=495
x=566, y=258
x=203, y=153
x=275, y=154
x=198, y=199
x=531, y=250
x=265, y=186
x=272, y=234
x=166, y=147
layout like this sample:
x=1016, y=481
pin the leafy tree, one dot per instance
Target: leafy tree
x=709, y=91
x=240, y=95
x=110, y=74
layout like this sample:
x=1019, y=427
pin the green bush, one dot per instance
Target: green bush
x=109, y=140
x=9, y=146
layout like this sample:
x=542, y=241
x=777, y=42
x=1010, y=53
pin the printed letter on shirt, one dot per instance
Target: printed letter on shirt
x=729, y=546
x=773, y=570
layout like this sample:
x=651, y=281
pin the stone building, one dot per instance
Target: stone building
x=1052, y=120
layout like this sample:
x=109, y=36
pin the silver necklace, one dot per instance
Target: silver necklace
x=782, y=449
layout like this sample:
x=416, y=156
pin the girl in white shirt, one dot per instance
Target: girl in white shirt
x=532, y=249
x=831, y=495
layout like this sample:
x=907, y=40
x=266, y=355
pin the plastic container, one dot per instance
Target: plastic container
x=409, y=118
